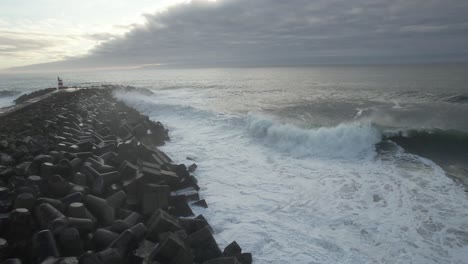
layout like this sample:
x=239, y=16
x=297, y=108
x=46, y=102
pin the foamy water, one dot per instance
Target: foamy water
x=313, y=195
x=7, y=101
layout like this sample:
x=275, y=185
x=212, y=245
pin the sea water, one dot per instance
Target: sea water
x=298, y=165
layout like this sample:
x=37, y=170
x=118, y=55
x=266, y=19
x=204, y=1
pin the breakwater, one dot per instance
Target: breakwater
x=82, y=181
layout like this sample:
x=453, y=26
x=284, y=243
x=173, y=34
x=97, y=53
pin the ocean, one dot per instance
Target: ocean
x=322, y=164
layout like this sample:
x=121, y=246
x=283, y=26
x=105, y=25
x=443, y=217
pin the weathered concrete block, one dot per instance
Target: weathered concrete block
x=128, y=241
x=204, y=245
x=78, y=210
x=128, y=170
x=22, y=168
x=161, y=222
x=200, y=203
x=5, y=174
x=46, y=214
x=100, y=209
x=57, y=186
x=57, y=204
x=121, y=225
x=192, y=225
x=232, y=249
x=47, y=170
x=153, y=197
x=43, y=246
x=151, y=165
x=192, y=167
x=70, y=242
x=140, y=131
x=223, y=260
x=103, y=238
x=190, y=193
x=180, y=207
x=172, y=250
x=25, y=200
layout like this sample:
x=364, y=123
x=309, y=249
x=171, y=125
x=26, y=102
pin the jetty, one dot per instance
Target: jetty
x=82, y=180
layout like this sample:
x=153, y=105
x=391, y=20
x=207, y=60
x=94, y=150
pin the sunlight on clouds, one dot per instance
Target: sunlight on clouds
x=66, y=30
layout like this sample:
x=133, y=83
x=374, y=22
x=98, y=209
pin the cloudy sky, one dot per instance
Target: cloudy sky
x=121, y=33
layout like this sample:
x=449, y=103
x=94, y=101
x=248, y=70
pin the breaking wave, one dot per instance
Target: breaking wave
x=355, y=139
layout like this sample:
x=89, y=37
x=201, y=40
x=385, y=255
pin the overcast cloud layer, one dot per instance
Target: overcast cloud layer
x=275, y=32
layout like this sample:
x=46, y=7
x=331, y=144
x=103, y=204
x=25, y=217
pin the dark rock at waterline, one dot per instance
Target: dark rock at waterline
x=200, y=203
x=192, y=167
x=223, y=260
x=204, y=245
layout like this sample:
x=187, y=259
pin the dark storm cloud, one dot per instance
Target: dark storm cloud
x=295, y=31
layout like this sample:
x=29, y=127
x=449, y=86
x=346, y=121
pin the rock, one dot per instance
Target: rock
x=44, y=246
x=245, y=258
x=204, y=245
x=47, y=170
x=103, y=238
x=223, y=260
x=192, y=167
x=140, y=131
x=144, y=249
x=192, y=225
x=78, y=210
x=121, y=225
x=57, y=186
x=172, y=250
x=20, y=152
x=151, y=165
x=76, y=197
x=128, y=170
x=3, y=144
x=232, y=250
x=180, y=207
x=6, y=173
x=190, y=193
x=181, y=171
x=12, y=261
x=161, y=222
x=128, y=241
x=153, y=197
x=25, y=200
x=200, y=203
x=22, y=168
x=99, y=207
x=19, y=225
x=57, y=204
x=6, y=160
x=70, y=242
x=46, y=214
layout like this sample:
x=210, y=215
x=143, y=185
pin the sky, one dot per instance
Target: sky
x=52, y=34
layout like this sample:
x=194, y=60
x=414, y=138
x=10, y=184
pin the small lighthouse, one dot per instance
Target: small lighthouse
x=60, y=83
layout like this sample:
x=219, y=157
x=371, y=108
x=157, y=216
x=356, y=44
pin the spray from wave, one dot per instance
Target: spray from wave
x=346, y=140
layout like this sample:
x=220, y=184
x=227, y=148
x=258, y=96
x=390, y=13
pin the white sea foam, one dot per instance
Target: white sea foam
x=295, y=195
x=7, y=101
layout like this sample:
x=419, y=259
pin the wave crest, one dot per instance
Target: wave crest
x=345, y=140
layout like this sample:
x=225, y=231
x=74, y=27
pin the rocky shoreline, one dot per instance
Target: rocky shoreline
x=82, y=181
